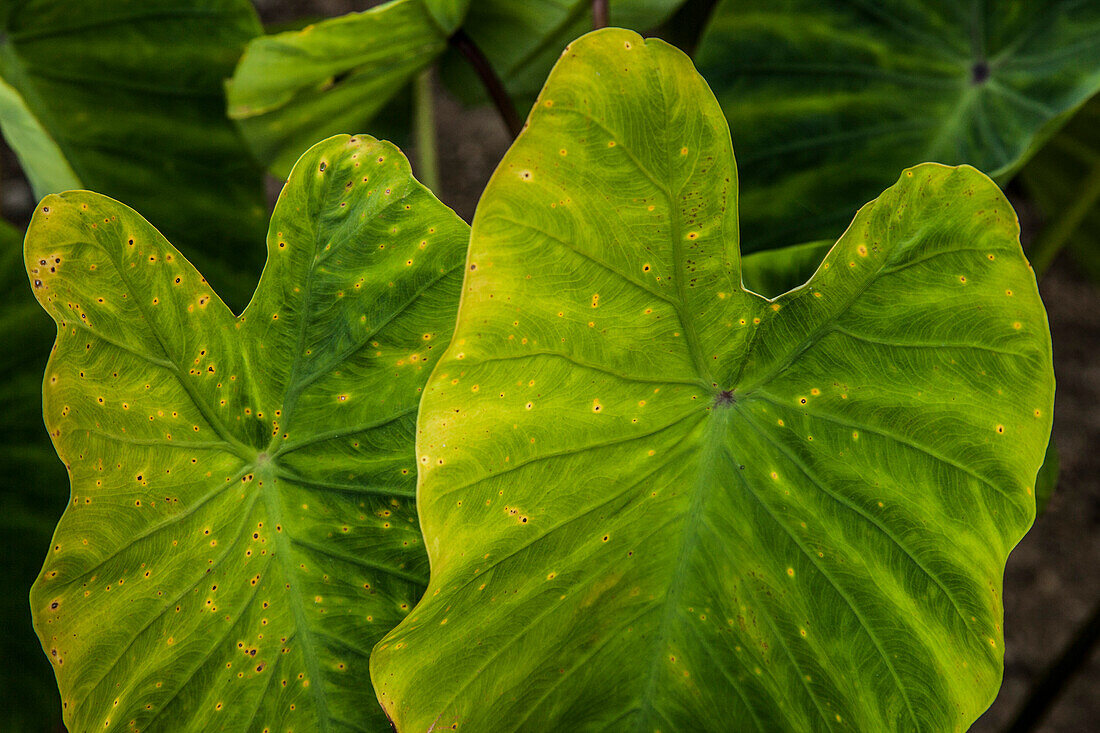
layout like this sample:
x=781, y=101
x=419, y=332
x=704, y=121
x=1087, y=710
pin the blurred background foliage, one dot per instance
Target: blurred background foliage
x=191, y=111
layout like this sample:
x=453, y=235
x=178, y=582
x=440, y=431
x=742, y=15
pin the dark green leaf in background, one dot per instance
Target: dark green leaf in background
x=242, y=526
x=654, y=500
x=32, y=495
x=125, y=97
x=829, y=99
x=772, y=272
x=1064, y=180
x=522, y=40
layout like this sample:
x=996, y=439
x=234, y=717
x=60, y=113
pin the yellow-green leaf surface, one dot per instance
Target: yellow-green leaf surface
x=829, y=99
x=125, y=97
x=294, y=88
x=242, y=525
x=653, y=500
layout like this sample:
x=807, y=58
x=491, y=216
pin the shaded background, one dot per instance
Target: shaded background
x=1052, y=582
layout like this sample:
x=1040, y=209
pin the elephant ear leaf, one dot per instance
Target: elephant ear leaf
x=829, y=99
x=242, y=526
x=653, y=499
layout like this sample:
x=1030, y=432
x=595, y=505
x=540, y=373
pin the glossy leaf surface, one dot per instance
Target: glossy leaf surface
x=125, y=97
x=242, y=524
x=653, y=500
x=294, y=88
x=829, y=100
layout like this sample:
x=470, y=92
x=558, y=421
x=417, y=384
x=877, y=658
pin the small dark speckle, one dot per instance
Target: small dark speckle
x=724, y=398
x=979, y=72
x=322, y=166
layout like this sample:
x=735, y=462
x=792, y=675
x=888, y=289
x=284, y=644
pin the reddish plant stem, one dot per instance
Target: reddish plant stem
x=601, y=14
x=489, y=79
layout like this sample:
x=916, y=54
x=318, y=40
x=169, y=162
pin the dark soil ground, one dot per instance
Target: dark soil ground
x=1053, y=578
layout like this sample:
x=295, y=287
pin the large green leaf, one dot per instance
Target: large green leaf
x=653, y=500
x=829, y=99
x=294, y=88
x=32, y=495
x=1064, y=180
x=242, y=525
x=125, y=97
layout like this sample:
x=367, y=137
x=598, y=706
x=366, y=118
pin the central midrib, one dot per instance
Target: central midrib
x=715, y=427
x=273, y=504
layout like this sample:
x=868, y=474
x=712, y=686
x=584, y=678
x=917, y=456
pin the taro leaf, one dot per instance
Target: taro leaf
x=1064, y=180
x=294, y=88
x=32, y=495
x=830, y=99
x=522, y=40
x=654, y=500
x=126, y=98
x=242, y=526
x=772, y=272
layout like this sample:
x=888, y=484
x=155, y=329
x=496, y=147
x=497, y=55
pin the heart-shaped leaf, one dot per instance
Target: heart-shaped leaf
x=653, y=500
x=829, y=99
x=242, y=525
x=294, y=88
x=125, y=97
